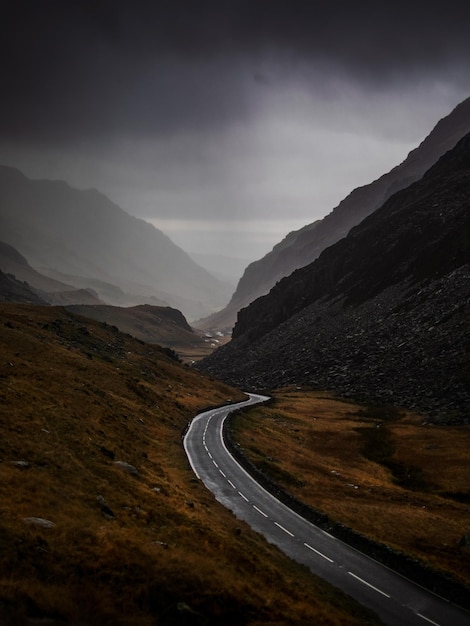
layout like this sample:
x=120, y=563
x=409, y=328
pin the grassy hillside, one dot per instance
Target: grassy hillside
x=90, y=443
x=388, y=474
x=153, y=324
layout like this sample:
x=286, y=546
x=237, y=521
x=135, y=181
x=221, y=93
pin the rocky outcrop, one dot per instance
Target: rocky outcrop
x=382, y=315
x=174, y=316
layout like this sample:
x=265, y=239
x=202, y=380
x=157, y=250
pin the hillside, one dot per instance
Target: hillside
x=302, y=247
x=102, y=519
x=161, y=325
x=75, y=236
x=13, y=290
x=382, y=314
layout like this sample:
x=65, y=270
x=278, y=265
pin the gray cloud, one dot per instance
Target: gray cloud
x=104, y=67
x=224, y=112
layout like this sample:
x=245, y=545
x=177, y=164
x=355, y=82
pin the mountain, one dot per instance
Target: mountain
x=66, y=232
x=302, y=247
x=36, y=287
x=382, y=314
x=164, y=326
x=13, y=290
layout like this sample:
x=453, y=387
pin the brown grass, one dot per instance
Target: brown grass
x=76, y=396
x=385, y=473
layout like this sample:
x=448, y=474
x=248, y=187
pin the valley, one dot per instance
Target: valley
x=234, y=313
x=361, y=336
x=102, y=520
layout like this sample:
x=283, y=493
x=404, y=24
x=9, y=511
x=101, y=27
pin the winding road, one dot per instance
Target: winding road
x=397, y=600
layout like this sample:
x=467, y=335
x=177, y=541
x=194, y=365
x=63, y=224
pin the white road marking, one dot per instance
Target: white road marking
x=369, y=585
x=210, y=455
x=259, y=510
x=230, y=483
x=222, y=473
x=243, y=496
x=284, y=529
x=319, y=553
x=215, y=464
x=427, y=619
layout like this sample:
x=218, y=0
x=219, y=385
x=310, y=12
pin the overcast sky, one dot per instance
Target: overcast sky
x=226, y=123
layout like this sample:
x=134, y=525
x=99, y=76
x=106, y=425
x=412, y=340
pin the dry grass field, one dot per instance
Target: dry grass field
x=138, y=544
x=386, y=473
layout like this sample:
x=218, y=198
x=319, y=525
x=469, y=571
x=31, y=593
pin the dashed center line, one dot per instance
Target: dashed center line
x=319, y=553
x=243, y=496
x=284, y=529
x=222, y=473
x=259, y=510
x=427, y=619
x=369, y=585
x=230, y=483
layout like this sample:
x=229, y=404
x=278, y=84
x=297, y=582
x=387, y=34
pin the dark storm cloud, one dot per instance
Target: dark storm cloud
x=76, y=69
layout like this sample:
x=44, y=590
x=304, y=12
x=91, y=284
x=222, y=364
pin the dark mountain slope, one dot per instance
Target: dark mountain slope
x=383, y=314
x=153, y=324
x=84, y=234
x=301, y=247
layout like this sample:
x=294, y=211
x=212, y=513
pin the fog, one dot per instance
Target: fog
x=231, y=123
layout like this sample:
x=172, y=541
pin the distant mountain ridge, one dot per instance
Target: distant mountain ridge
x=383, y=314
x=84, y=235
x=299, y=248
x=162, y=325
x=35, y=287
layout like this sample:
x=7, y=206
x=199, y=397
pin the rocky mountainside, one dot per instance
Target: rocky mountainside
x=381, y=315
x=84, y=236
x=302, y=247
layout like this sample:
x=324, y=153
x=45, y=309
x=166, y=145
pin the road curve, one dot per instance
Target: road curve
x=397, y=600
